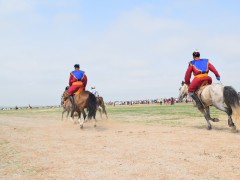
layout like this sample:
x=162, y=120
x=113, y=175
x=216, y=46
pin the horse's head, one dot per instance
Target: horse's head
x=64, y=96
x=100, y=100
x=183, y=91
x=66, y=88
x=62, y=101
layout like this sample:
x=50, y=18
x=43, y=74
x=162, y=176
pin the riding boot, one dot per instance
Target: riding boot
x=72, y=101
x=197, y=100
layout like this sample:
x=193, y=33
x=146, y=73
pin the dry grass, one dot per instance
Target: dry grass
x=136, y=142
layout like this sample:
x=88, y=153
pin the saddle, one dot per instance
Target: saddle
x=200, y=89
x=79, y=91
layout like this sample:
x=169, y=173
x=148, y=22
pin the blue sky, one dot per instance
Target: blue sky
x=131, y=49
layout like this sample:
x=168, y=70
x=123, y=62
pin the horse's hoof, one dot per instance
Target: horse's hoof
x=95, y=125
x=209, y=127
x=215, y=120
x=234, y=129
x=81, y=127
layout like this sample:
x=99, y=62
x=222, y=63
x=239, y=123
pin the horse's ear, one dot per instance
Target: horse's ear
x=183, y=83
x=66, y=88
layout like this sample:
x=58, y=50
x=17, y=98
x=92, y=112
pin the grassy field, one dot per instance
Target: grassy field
x=136, y=142
x=176, y=114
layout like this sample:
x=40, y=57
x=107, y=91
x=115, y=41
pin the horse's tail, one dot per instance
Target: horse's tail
x=91, y=106
x=231, y=99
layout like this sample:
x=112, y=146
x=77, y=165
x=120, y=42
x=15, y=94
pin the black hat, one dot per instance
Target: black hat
x=196, y=54
x=76, y=65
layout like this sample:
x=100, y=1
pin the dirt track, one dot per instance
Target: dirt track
x=53, y=149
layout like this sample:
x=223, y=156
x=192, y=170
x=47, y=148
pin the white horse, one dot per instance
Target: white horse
x=216, y=95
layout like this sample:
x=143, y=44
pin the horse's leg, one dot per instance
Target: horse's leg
x=72, y=113
x=209, y=116
x=227, y=110
x=205, y=112
x=231, y=124
x=104, y=111
x=78, y=111
x=230, y=121
x=63, y=113
x=68, y=113
x=99, y=109
x=209, y=124
x=84, y=117
x=95, y=121
x=229, y=113
x=79, y=116
x=94, y=117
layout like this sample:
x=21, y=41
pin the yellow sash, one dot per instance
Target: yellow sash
x=79, y=83
x=201, y=75
x=79, y=91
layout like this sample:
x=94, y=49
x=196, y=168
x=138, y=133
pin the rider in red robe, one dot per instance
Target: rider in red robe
x=77, y=79
x=199, y=68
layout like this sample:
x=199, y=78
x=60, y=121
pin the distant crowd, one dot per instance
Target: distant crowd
x=161, y=101
x=28, y=107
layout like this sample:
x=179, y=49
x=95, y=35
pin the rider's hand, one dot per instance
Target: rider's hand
x=218, y=78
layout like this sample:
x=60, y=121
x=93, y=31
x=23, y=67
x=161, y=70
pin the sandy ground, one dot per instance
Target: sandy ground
x=54, y=149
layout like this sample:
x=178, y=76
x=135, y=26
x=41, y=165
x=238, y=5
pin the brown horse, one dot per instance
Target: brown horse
x=67, y=106
x=83, y=100
x=101, y=106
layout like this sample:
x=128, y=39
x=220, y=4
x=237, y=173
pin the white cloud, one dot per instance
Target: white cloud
x=140, y=55
x=15, y=6
x=61, y=19
x=164, y=46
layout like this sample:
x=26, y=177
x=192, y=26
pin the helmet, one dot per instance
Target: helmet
x=93, y=87
x=196, y=53
x=76, y=66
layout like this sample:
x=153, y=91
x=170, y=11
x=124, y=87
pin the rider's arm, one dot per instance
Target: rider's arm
x=188, y=74
x=84, y=80
x=213, y=69
x=70, y=79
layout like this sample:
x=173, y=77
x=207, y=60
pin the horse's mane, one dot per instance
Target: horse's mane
x=66, y=88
